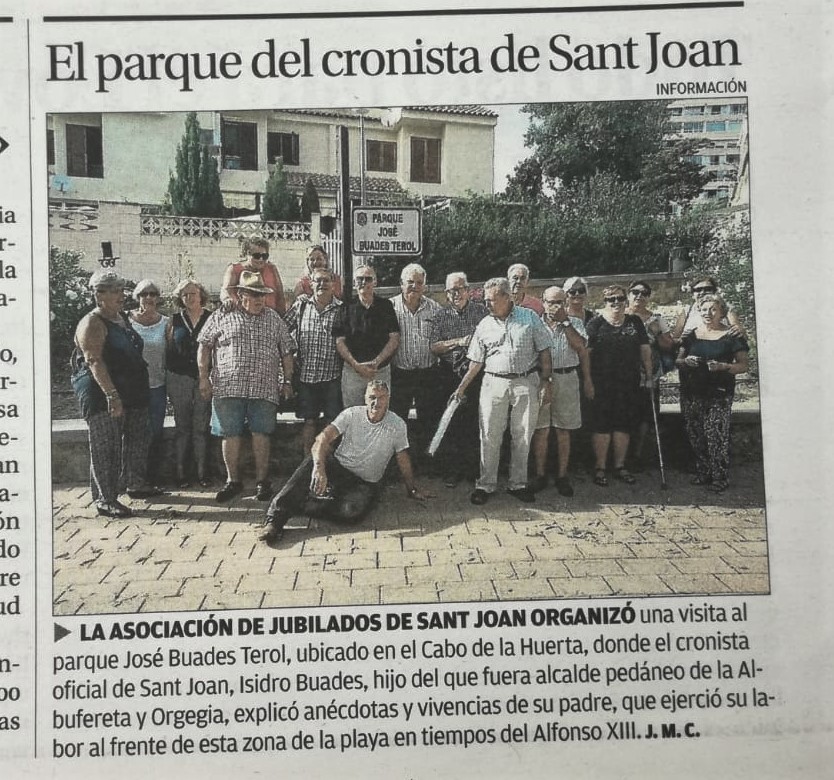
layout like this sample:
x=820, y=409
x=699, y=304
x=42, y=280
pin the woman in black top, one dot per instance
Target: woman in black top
x=709, y=359
x=618, y=345
x=110, y=380
x=192, y=412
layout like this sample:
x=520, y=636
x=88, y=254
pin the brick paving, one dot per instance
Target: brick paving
x=185, y=552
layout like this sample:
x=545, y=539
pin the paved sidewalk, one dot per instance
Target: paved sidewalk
x=185, y=552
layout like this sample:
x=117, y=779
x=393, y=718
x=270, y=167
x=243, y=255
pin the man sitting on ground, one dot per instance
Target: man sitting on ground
x=344, y=485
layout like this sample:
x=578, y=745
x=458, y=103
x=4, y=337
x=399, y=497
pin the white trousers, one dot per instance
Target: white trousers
x=501, y=398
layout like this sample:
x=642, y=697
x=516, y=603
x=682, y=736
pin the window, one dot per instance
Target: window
x=715, y=109
x=676, y=111
x=381, y=156
x=694, y=110
x=714, y=159
x=732, y=159
x=734, y=127
x=716, y=127
x=425, y=160
x=240, y=145
x=84, y=152
x=737, y=108
x=206, y=137
x=693, y=127
x=283, y=146
x=50, y=147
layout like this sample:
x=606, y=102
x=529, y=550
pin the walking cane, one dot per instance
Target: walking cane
x=657, y=438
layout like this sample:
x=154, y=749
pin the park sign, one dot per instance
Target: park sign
x=387, y=231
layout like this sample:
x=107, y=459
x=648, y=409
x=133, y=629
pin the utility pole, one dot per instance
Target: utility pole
x=345, y=215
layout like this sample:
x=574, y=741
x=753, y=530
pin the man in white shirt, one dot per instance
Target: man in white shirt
x=415, y=374
x=344, y=484
x=569, y=355
x=512, y=346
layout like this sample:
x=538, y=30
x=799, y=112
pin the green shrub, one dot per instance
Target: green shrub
x=69, y=300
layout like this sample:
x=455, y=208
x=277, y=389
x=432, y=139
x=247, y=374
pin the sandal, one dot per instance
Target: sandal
x=600, y=478
x=624, y=475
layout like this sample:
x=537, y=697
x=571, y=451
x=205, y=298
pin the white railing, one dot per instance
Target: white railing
x=215, y=228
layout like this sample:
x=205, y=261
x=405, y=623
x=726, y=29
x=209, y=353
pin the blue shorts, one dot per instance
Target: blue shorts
x=230, y=417
x=319, y=398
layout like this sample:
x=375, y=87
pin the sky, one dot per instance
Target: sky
x=509, y=142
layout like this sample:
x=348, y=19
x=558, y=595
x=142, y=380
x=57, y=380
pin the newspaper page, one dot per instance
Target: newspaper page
x=655, y=612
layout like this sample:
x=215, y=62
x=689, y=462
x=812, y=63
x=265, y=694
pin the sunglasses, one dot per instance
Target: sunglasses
x=577, y=291
x=363, y=279
x=640, y=293
x=697, y=290
x=616, y=299
x=259, y=255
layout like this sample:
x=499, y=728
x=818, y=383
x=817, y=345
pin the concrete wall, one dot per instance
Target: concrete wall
x=71, y=455
x=164, y=258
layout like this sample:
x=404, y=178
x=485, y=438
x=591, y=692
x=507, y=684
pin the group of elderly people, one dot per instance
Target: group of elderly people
x=371, y=378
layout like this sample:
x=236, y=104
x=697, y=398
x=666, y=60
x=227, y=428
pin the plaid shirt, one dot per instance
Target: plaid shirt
x=453, y=324
x=509, y=346
x=247, y=351
x=415, y=334
x=317, y=356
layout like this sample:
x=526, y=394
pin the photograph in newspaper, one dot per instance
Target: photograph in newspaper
x=555, y=300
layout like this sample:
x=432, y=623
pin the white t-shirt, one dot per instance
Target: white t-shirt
x=366, y=447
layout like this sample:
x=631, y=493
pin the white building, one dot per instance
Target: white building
x=415, y=151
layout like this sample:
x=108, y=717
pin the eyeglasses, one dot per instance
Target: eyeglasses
x=698, y=290
x=577, y=291
x=456, y=291
x=259, y=255
x=616, y=299
x=559, y=302
x=363, y=279
x=639, y=292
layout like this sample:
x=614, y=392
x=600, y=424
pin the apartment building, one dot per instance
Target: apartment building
x=720, y=123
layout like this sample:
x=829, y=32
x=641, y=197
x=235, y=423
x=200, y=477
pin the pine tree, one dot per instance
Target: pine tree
x=210, y=198
x=279, y=204
x=194, y=188
x=309, y=201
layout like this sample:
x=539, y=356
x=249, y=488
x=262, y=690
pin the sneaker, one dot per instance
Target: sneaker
x=228, y=491
x=263, y=490
x=112, y=509
x=524, y=494
x=275, y=529
x=479, y=497
x=564, y=486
